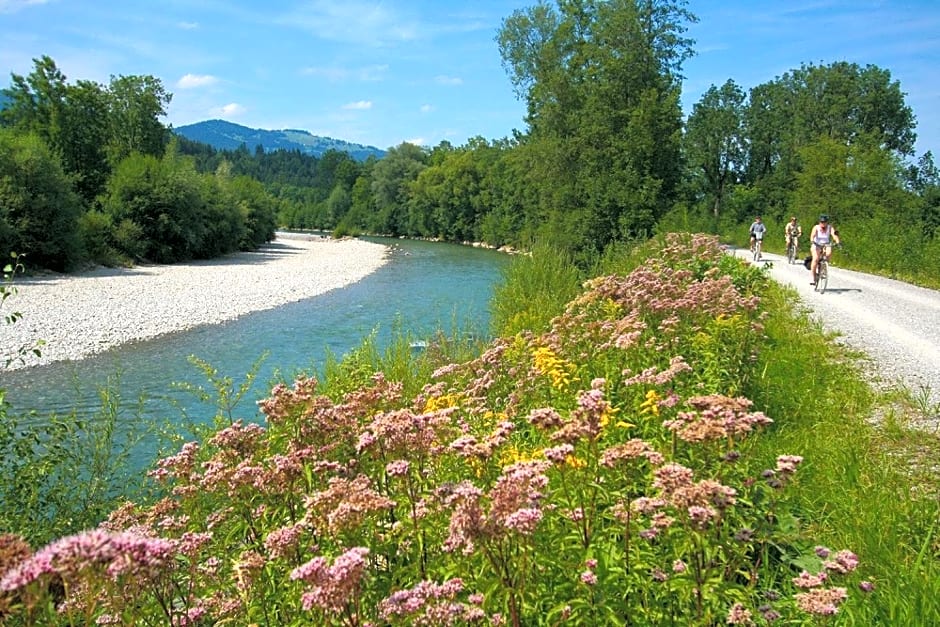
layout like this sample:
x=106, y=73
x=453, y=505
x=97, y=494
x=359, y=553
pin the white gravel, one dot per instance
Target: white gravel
x=81, y=314
x=895, y=324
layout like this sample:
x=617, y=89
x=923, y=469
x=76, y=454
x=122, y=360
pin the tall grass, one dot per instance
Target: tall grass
x=858, y=487
x=535, y=288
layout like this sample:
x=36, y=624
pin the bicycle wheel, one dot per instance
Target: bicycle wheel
x=823, y=280
x=756, y=250
x=791, y=253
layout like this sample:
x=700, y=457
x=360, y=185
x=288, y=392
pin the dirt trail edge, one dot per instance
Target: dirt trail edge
x=896, y=324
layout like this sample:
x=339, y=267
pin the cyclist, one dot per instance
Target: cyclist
x=792, y=230
x=757, y=231
x=821, y=239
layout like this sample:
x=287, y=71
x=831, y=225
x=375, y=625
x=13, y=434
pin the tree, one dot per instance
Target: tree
x=137, y=103
x=37, y=101
x=601, y=81
x=391, y=177
x=165, y=199
x=715, y=141
x=39, y=211
x=84, y=138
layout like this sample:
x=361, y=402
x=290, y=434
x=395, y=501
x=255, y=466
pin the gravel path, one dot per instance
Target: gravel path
x=81, y=314
x=897, y=325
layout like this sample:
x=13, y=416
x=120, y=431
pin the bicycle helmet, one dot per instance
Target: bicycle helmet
x=824, y=217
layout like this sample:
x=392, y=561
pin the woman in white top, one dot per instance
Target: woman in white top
x=821, y=239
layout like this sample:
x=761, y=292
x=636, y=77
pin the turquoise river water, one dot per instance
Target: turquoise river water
x=425, y=286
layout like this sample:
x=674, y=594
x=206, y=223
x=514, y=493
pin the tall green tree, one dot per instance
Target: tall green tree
x=137, y=103
x=39, y=211
x=84, y=138
x=71, y=119
x=716, y=146
x=37, y=101
x=391, y=178
x=601, y=81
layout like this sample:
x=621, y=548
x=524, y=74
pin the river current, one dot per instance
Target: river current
x=424, y=287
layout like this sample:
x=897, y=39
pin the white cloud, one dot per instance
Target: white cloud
x=232, y=109
x=188, y=25
x=355, y=21
x=190, y=81
x=417, y=141
x=332, y=74
x=336, y=74
x=426, y=108
x=12, y=6
x=360, y=105
x=448, y=80
x=373, y=72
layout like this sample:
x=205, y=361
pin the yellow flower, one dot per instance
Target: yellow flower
x=442, y=402
x=512, y=455
x=607, y=415
x=552, y=366
x=651, y=404
x=575, y=462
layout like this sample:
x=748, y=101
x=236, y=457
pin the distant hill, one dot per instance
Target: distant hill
x=223, y=135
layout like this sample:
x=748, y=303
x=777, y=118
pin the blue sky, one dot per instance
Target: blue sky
x=383, y=72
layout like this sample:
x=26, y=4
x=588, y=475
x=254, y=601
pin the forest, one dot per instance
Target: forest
x=91, y=175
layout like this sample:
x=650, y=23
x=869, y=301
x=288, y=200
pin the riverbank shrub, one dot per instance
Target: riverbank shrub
x=601, y=470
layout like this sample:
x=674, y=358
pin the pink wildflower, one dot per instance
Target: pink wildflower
x=821, y=601
x=117, y=554
x=808, y=580
x=633, y=449
x=282, y=541
x=397, y=468
x=843, y=562
x=524, y=521
x=739, y=615
x=786, y=464
x=332, y=586
x=558, y=454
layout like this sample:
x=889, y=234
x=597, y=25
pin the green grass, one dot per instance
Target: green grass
x=866, y=482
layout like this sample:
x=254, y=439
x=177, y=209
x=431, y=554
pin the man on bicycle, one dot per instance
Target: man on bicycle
x=757, y=231
x=821, y=239
x=792, y=232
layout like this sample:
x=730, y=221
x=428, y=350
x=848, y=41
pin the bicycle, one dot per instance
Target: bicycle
x=755, y=249
x=821, y=277
x=791, y=249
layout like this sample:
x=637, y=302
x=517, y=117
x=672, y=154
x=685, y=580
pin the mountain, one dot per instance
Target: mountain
x=223, y=135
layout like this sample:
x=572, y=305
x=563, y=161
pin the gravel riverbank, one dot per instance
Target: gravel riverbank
x=77, y=315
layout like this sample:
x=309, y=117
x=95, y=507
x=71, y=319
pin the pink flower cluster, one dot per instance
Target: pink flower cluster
x=429, y=603
x=514, y=506
x=818, y=599
x=702, y=503
x=630, y=450
x=344, y=505
x=401, y=433
x=114, y=554
x=332, y=587
x=716, y=417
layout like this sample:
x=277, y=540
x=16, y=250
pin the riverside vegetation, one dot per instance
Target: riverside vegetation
x=649, y=447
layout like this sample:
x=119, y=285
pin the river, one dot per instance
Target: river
x=425, y=286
